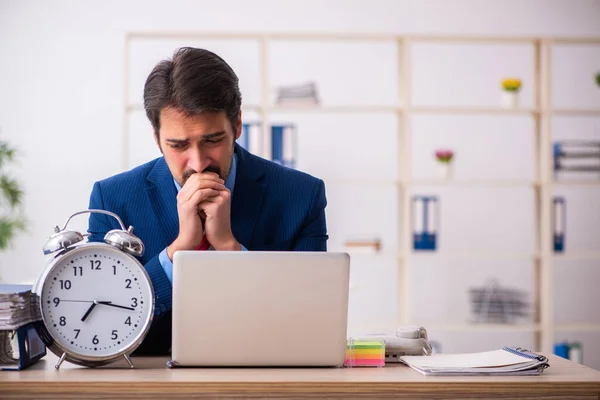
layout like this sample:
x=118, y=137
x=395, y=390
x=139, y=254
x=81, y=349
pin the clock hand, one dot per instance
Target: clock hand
x=77, y=301
x=109, y=303
x=94, y=304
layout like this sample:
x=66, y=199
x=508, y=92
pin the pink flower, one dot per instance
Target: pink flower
x=444, y=156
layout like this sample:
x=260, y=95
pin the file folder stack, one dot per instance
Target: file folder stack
x=495, y=304
x=20, y=344
x=577, y=156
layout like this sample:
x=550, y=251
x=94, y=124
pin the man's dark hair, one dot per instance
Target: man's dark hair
x=195, y=80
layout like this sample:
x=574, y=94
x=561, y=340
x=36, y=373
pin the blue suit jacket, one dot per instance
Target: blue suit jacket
x=273, y=208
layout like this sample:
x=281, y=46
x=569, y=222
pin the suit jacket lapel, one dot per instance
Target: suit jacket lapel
x=163, y=197
x=248, y=195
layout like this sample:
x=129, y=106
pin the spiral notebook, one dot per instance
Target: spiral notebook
x=506, y=361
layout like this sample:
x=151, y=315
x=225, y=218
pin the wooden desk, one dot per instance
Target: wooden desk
x=564, y=379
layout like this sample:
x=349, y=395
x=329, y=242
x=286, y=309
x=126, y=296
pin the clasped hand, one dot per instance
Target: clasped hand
x=203, y=205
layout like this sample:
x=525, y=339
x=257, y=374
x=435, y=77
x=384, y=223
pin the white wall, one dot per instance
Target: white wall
x=61, y=75
x=61, y=104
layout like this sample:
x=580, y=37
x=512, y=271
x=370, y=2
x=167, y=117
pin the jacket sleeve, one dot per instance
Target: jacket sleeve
x=100, y=224
x=313, y=236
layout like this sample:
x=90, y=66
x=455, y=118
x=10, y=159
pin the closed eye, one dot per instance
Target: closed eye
x=213, y=141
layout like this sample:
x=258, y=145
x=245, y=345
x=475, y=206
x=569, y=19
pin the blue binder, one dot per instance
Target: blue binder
x=562, y=349
x=251, y=138
x=28, y=347
x=425, y=222
x=558, y=223
x=556, y=154
x=283, y=145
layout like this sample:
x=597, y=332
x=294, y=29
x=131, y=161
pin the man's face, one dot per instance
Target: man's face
x=200, y=143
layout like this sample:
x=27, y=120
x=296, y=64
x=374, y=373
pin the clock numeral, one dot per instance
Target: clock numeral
x=114, y=335
x=63, y=321
x=134, y=302
x=56, y=301
x=80, y=269
x=77, y=332
x=128, y=286
x=114, y=269
x=95, y=264
x=95, y=340
x=65, y=284
x=128, y=321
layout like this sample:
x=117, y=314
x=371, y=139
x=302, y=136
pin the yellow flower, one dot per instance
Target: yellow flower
x=511, y=84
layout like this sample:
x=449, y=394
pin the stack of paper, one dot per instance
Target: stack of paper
x=507, y=361
x=365, y=353
x=20, y=343
x=17, y=306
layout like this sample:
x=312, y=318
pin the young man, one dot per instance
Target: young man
x=205, y=192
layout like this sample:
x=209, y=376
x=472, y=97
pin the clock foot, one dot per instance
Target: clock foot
x=62, y=358
x=128, y=360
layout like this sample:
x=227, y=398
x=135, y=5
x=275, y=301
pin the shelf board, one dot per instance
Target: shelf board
x=576, y=111
x=474, y=39
x=447, y=255
x=474, y=255
x=575, y=40
x=472, y=183
x=361, y=182
x=577, y=327
x=322, y=108
x=324, y=35
x=400, y=108
x=362, y=252
x=414, y=109
x=433, y=182
x=588, y=184
x=140, y=107
x=584, y=255
x=482, y=327
x=472, y=110
x=334, y=108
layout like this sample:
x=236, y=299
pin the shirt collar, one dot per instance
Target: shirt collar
x=229, y=182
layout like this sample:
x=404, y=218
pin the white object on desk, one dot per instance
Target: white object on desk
x=260, y=308
x=506, y=361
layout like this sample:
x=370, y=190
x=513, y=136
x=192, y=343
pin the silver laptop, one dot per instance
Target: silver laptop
x=259, y=308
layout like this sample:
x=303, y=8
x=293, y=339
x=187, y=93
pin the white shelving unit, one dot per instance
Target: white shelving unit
x=542, y=258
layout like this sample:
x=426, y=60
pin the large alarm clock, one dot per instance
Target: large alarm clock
x=96, y=299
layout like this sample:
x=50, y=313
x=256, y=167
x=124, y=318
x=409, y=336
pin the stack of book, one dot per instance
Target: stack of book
x=20, y=344
x=297, y=95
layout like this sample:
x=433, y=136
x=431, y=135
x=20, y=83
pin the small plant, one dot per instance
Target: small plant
x=444, y=156
x=598, y=78
x=511, y=84
x=11, y=197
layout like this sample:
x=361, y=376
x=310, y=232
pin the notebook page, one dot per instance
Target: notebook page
x=495, y=358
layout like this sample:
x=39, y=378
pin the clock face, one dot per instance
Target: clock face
x=96, y=301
